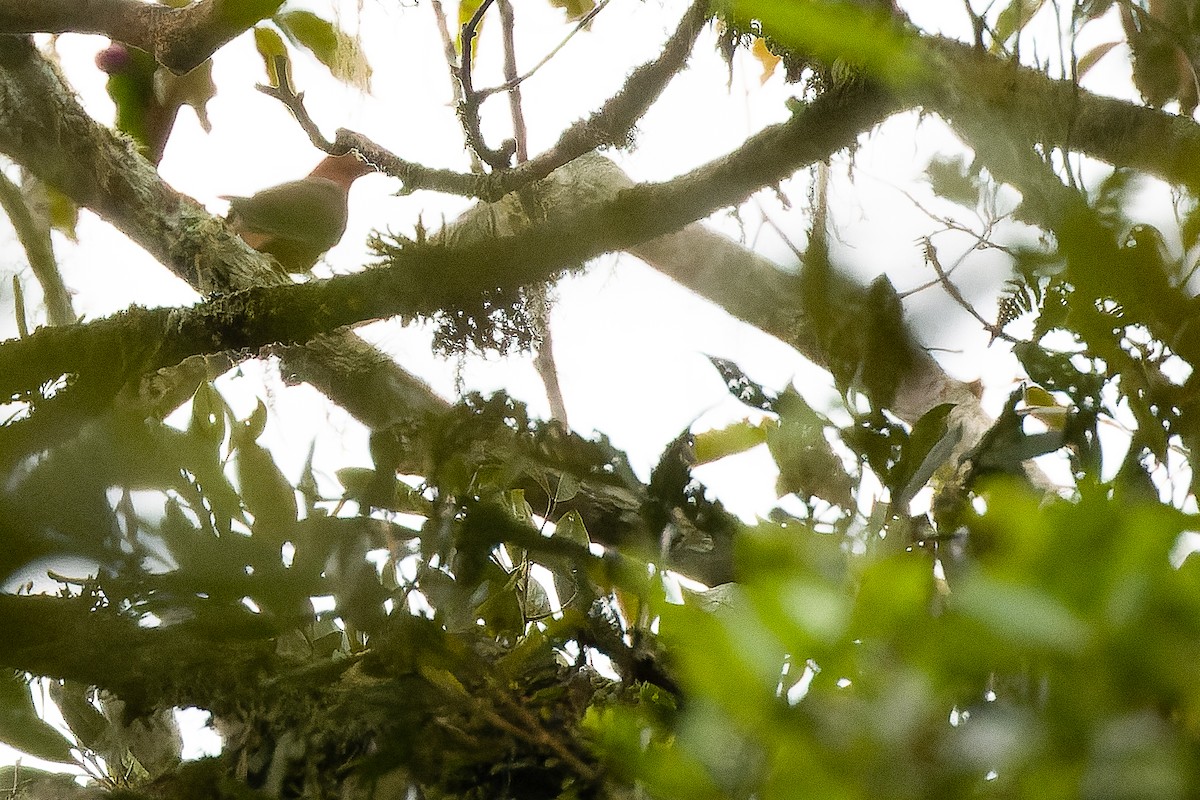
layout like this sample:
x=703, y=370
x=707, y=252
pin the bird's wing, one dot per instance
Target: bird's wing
x=312, y=211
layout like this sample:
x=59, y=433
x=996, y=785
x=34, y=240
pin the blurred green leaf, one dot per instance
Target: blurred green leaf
x=736, y=438
x=1023, y=614
x=267, y=494
x=575, y=9
x=927, y=447
x=63, y=213
x=466, y=10
x=20, y=726
x=864, y=37
x=808, y=466
x=954, y=179
x=1013, y=19
x=333, y=47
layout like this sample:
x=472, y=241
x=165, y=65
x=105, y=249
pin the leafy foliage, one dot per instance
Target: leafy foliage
x=494, y=606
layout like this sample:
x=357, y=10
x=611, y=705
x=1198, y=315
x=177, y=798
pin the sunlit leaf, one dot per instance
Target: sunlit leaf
x=274, y=54
x=332, y=46
x=1043, y=406
x=466, y=11
x=194, y=88
x=766, y=58
x=864, y=38
x=570, y=527
x=444, y=680
x=62, y=211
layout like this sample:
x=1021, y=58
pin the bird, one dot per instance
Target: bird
x=298, y=221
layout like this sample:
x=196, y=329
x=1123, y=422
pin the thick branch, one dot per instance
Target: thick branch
x=996, y=123
x=179, y=38
x=1058, y=113
x=423, y=279
x=43, y=127
x=183, y=664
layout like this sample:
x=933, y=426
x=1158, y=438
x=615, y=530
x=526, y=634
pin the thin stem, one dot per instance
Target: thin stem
x=452, y=62
x=510, y=76
x=513, y=82
x=33, y=231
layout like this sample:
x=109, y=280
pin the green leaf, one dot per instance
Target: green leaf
x=444, y=680
x=245, y=13
x=266, y=492
x=1190, y=228
x=952, y=178
x=1092, y=57
x=274, y=54
x=737, y=438
x=570, y=527
x=518, y=506
x=1024, y=615
x=333, y=47
x=207, y=423
x=1013, y=19
x=20, y=726
x=808, y=466
x=576, y=9
x=62, y=212
x=567, y=488
x=867, y=39
x=466, y=10
x=927, y=447
x=83, y=718
x=252, y=427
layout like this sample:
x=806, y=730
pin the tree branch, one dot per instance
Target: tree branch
x=990, y=109
x=1060, y=114
x=179, y=38
x=43, y=127
x=33, y=231
x=183, y=664
x=608, y=126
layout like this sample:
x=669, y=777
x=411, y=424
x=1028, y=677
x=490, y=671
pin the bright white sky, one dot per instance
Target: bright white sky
x=629, y=344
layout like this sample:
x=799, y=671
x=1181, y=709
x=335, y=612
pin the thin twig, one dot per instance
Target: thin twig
x=543, y=357
x=513, y=82
x=468, y=109
x=779, y=231
x=33, y=231
x=294, y=100
x=452, y=62
x=537, y=734
x=977, y=24
x=931, y=258
x=610, y=125
x=510, y=76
